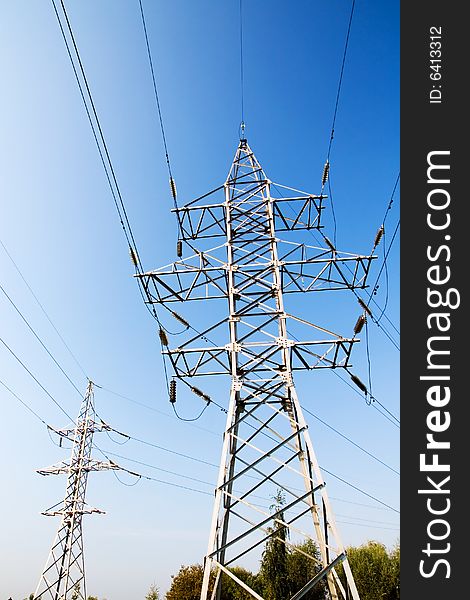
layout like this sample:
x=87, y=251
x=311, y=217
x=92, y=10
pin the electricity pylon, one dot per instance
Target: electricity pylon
x=267, y=449
x=63, y=577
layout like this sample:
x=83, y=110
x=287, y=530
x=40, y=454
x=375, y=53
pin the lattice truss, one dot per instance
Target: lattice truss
x=266, y=446
x=63, y=577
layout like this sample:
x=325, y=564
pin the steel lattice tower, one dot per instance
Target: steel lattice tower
x=63, y=577
x=266, y=444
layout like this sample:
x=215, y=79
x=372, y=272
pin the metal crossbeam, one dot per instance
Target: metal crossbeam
x=266, y=446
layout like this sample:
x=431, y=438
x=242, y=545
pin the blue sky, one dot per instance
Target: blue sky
x=59, y=224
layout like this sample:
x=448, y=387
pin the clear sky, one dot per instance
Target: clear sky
x=59, y=224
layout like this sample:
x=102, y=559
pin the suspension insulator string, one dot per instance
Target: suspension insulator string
x=359, y=384
x=364, y=306
x=379, y=236
x=326, y=170
x=173, y=391
x=163, y=337
x=360, y=324
x=180, y=319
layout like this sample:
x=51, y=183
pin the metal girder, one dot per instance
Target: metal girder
x=203, y=219
x=267, y=449
x=303, y=268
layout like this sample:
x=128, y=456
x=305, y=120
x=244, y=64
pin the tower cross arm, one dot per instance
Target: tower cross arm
x=90, y=465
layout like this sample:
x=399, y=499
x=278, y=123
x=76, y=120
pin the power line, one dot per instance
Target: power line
x=149, y=478
x=318, y=241
x=371, y=526
x=35, y=379
x=350, y=440
x=359, y=503
x=395, y=422
x=170, y=451
x=216, y=466
x=360, y=490
x=242, y=85
x=384, y=265
x=90, y=119
x=367, y=520
x=369, y=373
x=152, y=408
x=168, y=471
x=340, y=83
x=303, y=407
x=178, y=454
x=189, y=420
x=39, y=339
x=121, y=207
x=330, y=193
x=389, y=206
x=100, y=141
x=155, y=89
x=215, y=434
x=43, y=310
x=33, y=412
x=178, y=474
x=335, y=112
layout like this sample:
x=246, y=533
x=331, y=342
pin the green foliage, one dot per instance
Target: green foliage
x=274, y=570
x=301, y=569
x=286, y=568
x=376, y=571
x=76, y=592
x=153, y=593
x=187, y=583
x=232, y=591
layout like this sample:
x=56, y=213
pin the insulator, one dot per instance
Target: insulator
x=133, y=256
x=173, y=188
x=364, y=306
x=200, y=393
x=179, y=248
x=360, y=324
x=359, y=383
x=197, y=391
x=330, y=244
x=163, y=336
x=173, y=391
x=180, y=319
x=378, y=237
x=326, y=170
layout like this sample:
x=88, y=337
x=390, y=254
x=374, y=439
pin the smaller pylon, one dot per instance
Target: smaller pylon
x=63, y=577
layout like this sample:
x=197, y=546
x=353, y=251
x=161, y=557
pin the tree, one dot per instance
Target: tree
x=187, y=583
x=274, y=570
x=302, y=568
x=153, y=593
x=375, y=570
x=76, y=591
x=232, y=591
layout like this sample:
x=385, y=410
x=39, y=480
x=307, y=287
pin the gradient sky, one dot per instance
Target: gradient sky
x=59, y=224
